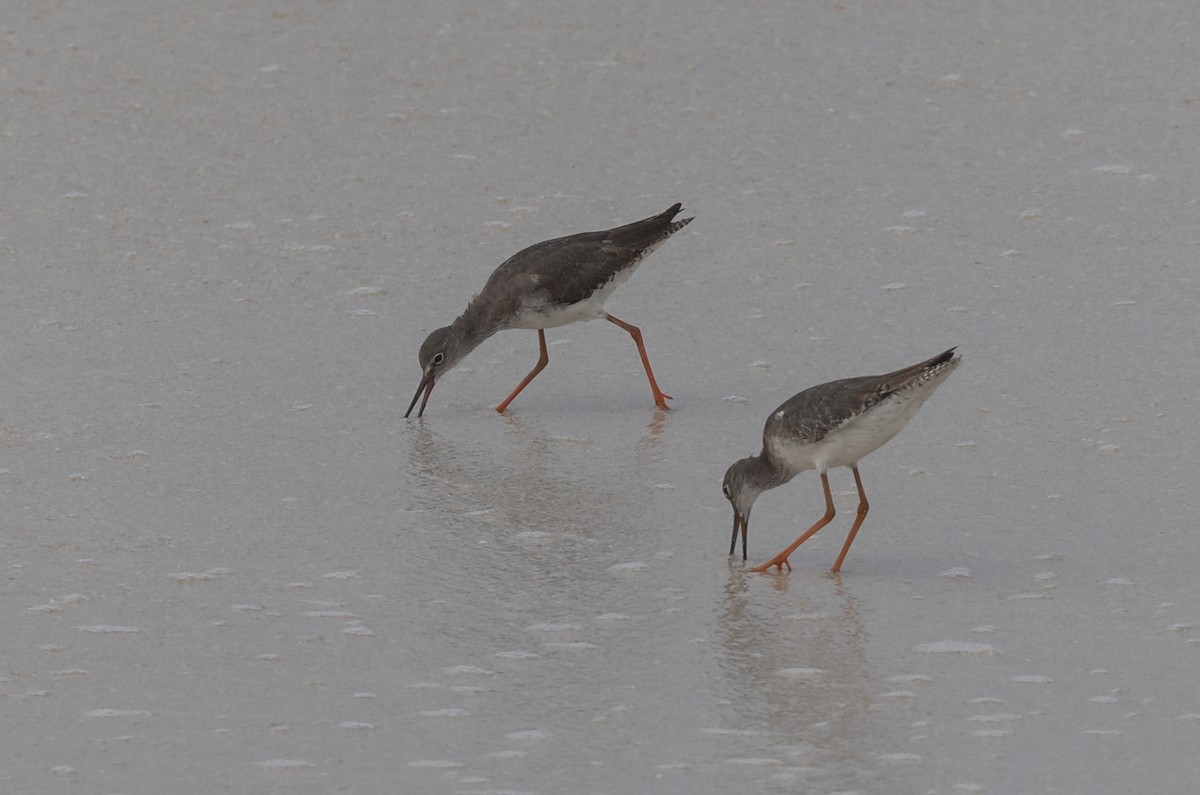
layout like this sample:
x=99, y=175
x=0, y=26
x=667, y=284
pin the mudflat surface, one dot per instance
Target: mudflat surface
x=232, y=566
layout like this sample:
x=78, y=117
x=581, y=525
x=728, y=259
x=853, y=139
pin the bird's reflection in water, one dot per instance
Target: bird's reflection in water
x=514, y=490
x=651, y=447
x=795, y=681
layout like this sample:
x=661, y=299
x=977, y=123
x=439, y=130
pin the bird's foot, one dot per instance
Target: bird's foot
x=777, y=561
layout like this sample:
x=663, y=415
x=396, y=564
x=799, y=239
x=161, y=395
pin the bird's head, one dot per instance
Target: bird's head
x=440, y=352
x=742, y=487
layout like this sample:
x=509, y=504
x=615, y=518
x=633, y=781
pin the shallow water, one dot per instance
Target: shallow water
x=233, y=565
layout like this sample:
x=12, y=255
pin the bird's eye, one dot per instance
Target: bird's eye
x=438, y=358
x=725, y=491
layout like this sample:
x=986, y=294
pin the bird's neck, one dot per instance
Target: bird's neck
x=475, y=324
x=766, y=473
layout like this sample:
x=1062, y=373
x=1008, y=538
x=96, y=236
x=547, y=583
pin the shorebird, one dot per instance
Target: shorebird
x=550, y=284
x=831, y=425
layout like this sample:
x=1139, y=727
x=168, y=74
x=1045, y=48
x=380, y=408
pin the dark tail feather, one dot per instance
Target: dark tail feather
x=670, y=213
x=895, y=380
x=941, y=358
x=650, y=230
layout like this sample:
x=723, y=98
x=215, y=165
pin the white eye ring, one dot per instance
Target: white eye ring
x=438, y=358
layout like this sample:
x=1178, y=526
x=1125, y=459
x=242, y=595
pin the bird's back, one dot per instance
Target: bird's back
x=851, y=417
x=568, y=270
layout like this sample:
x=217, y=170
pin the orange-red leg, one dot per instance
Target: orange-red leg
x=781, y=559
x=543, y=360
x=660, y=398
x=863, y=507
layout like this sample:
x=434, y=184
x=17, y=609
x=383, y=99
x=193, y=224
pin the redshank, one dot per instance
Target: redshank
x=549, y=284
x=831, y=425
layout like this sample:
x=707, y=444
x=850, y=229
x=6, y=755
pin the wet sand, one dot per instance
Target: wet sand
x=233, y=566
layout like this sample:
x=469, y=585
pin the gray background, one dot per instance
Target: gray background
x=232, y=566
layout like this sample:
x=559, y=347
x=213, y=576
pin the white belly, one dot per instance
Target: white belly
x=537, y=314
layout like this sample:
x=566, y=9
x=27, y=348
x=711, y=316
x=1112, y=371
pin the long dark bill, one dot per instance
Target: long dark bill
x=744, y=523
x=425, y=386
